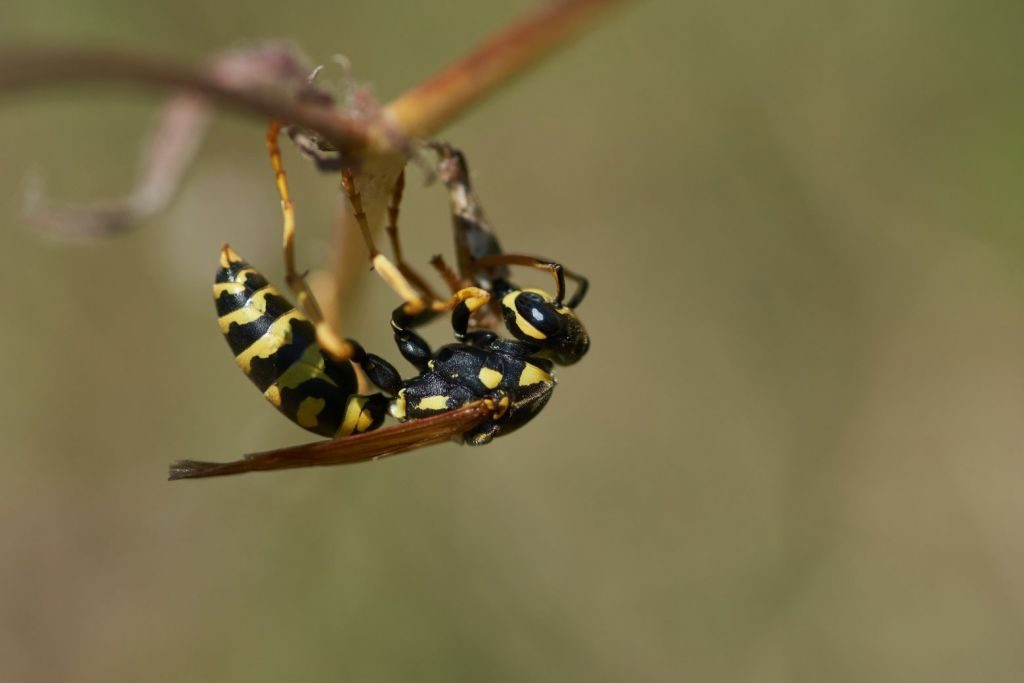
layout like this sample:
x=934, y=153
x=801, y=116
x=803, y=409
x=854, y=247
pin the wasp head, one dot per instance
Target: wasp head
x=533, y=316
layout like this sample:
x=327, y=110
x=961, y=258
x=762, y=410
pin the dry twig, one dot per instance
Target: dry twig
x=376, y=146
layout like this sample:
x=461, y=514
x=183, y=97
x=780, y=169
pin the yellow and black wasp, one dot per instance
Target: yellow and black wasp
x=471, y=391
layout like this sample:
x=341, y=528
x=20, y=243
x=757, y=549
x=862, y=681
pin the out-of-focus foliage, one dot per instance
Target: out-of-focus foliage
x=794, y=452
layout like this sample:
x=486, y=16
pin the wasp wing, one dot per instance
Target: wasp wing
x=401, y=438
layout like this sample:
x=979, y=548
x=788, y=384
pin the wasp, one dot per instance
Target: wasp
x=480, y=387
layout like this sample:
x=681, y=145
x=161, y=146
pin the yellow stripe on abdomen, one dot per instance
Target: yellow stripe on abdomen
x=277, y=335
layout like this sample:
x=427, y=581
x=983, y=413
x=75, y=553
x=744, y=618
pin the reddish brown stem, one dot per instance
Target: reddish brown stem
x=27, y=68
x=428, y=107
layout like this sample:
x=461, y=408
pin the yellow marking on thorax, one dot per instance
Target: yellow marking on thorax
x=432, y=403
x=489, y=378
x=308, y=411
x=279, y=334
x=253, y=310
x=498, y=408
x=509, y=302
x=533, y=375
x=397, y=407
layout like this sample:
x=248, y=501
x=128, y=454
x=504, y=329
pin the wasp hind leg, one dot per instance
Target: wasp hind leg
x=379, y=371
x=410, y=274
x=419, y=306
x=337, y=348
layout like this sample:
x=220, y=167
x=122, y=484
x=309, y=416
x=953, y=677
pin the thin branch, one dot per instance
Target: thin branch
x=378, y=145
x=428, y=107
x=421, y=111
x=29, y=68
x=168, y=151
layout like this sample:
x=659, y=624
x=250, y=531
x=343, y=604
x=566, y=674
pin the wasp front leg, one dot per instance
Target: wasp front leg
x=413, y=348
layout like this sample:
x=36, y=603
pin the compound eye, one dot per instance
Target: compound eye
x=539, y=313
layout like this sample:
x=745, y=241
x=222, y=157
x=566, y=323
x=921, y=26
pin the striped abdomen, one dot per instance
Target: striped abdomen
x=276, y=346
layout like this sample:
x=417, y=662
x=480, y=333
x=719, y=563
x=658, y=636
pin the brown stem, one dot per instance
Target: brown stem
x=27, y=68
x=428, y=107
x=380, y=145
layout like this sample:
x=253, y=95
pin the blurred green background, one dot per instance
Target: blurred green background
x=793, y=453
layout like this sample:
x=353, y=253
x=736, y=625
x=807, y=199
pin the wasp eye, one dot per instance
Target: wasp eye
x=535, y=310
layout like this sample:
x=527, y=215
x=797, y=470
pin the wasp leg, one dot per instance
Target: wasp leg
x=485, y=432
x=295, y=281
x=338, y=349
x=404, y=268
x=415, y=304
x=482, y=435
x=355, y=199
x=382, y=373
x=488, y=319
x=464, y=303
x=447, y=274
x=413, y=348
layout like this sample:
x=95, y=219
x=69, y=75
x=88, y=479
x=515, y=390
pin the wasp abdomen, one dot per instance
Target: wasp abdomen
x=276, y=347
